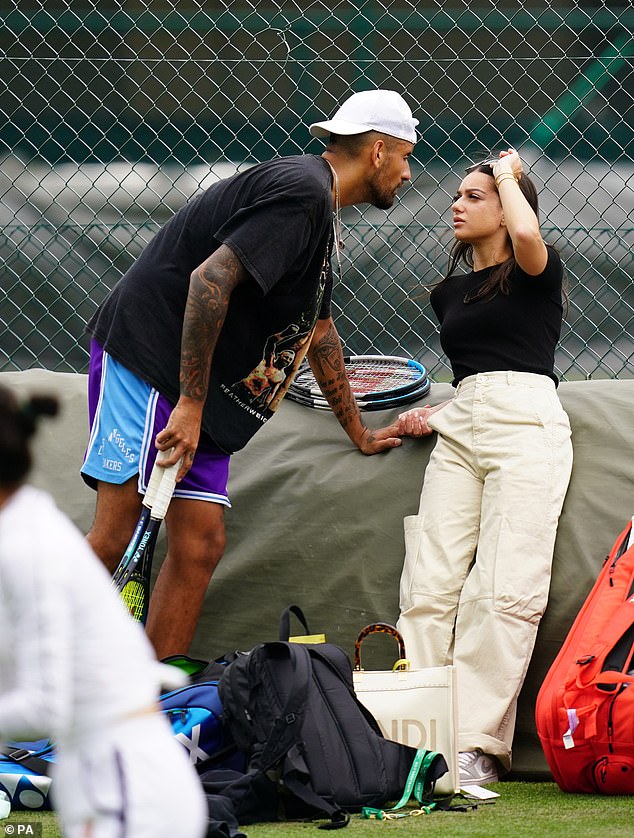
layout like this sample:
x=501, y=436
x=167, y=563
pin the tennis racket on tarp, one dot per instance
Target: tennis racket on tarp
x=132, y=576
x=377, y=382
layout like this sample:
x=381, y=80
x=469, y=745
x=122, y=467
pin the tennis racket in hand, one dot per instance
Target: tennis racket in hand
x=132, y=577
x=377, y=382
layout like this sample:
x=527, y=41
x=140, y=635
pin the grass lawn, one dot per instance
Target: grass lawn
x=524, y=810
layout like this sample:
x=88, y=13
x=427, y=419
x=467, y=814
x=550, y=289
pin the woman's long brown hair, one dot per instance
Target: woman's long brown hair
x=498, y=279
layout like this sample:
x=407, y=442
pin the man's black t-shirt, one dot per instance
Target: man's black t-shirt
x=516, y=331
x=277, y=218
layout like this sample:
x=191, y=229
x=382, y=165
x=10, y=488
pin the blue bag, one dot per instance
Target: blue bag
x=24, y=773
x=194, y=712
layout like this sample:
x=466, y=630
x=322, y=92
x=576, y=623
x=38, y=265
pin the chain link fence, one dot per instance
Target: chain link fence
x=115, y=113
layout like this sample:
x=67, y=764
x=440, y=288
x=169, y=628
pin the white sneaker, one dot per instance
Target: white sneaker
x=476, y=768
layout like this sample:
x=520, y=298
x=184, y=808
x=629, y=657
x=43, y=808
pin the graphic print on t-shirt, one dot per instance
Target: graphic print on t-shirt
x=269, y=378
x=290, y=314
x=260, y=392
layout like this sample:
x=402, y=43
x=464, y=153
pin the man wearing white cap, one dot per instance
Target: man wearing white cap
x=376, y=128
x=238, y=278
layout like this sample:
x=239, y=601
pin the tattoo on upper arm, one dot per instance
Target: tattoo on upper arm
x=210, y=289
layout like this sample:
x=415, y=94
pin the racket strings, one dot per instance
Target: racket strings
x=366, y=381
x=363, y=380
x=371, y=378
x=365, y=405
x=380, y=372
x=133, y=595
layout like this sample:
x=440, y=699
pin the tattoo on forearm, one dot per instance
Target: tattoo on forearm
x=210, y=289
x=327, y=358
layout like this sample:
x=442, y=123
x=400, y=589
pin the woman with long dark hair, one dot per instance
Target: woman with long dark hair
x=76, y=668
x=478, y=554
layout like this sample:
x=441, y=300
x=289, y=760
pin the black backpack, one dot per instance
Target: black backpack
x=312, y=748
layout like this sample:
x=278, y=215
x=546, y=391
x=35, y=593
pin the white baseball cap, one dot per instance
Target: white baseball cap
x=384, y=111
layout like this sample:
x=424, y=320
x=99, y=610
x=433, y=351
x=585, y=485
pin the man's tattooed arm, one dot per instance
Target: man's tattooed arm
x=210, y=289
x=326, y=360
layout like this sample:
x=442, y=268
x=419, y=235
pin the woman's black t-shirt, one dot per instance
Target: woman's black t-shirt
x=515, y=331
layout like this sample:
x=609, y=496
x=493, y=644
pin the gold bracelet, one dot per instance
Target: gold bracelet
x=505, y=176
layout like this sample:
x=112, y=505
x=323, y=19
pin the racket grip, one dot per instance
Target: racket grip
x=154, y=482
x=165, y=490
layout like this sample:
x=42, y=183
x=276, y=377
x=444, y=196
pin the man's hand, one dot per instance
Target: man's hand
x=382, y=439
x=181, y=433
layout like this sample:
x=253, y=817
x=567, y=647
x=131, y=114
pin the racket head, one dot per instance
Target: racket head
x=378, y=382
x=307, y=400
x=134, y=583
x=378, y=404
x=399, y=400
x=136, y=596
x=370, y=376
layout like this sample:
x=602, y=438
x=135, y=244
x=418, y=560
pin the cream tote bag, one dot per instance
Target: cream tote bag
x=416, y=707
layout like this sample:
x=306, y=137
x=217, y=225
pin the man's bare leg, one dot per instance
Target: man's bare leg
x=116, y=513
x=196, y=542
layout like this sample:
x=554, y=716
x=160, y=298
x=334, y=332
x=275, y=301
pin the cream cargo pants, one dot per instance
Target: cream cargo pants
x=478, y=555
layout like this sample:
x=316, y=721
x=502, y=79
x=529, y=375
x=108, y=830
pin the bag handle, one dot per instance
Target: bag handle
x=285, y=621
x=378, y=628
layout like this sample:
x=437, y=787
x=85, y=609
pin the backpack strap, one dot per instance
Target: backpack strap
x=344, y=672
x=28, y=759
x=297, y=780
x=285, y=739
x=287, y=727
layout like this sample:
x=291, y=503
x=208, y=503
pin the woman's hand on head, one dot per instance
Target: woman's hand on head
x=509, y=162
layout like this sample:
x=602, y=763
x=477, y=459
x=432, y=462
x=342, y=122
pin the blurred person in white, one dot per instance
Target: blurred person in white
x=478, y=555
x=75, y=667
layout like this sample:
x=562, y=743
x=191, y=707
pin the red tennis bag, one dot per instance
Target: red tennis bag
x=585, y=707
